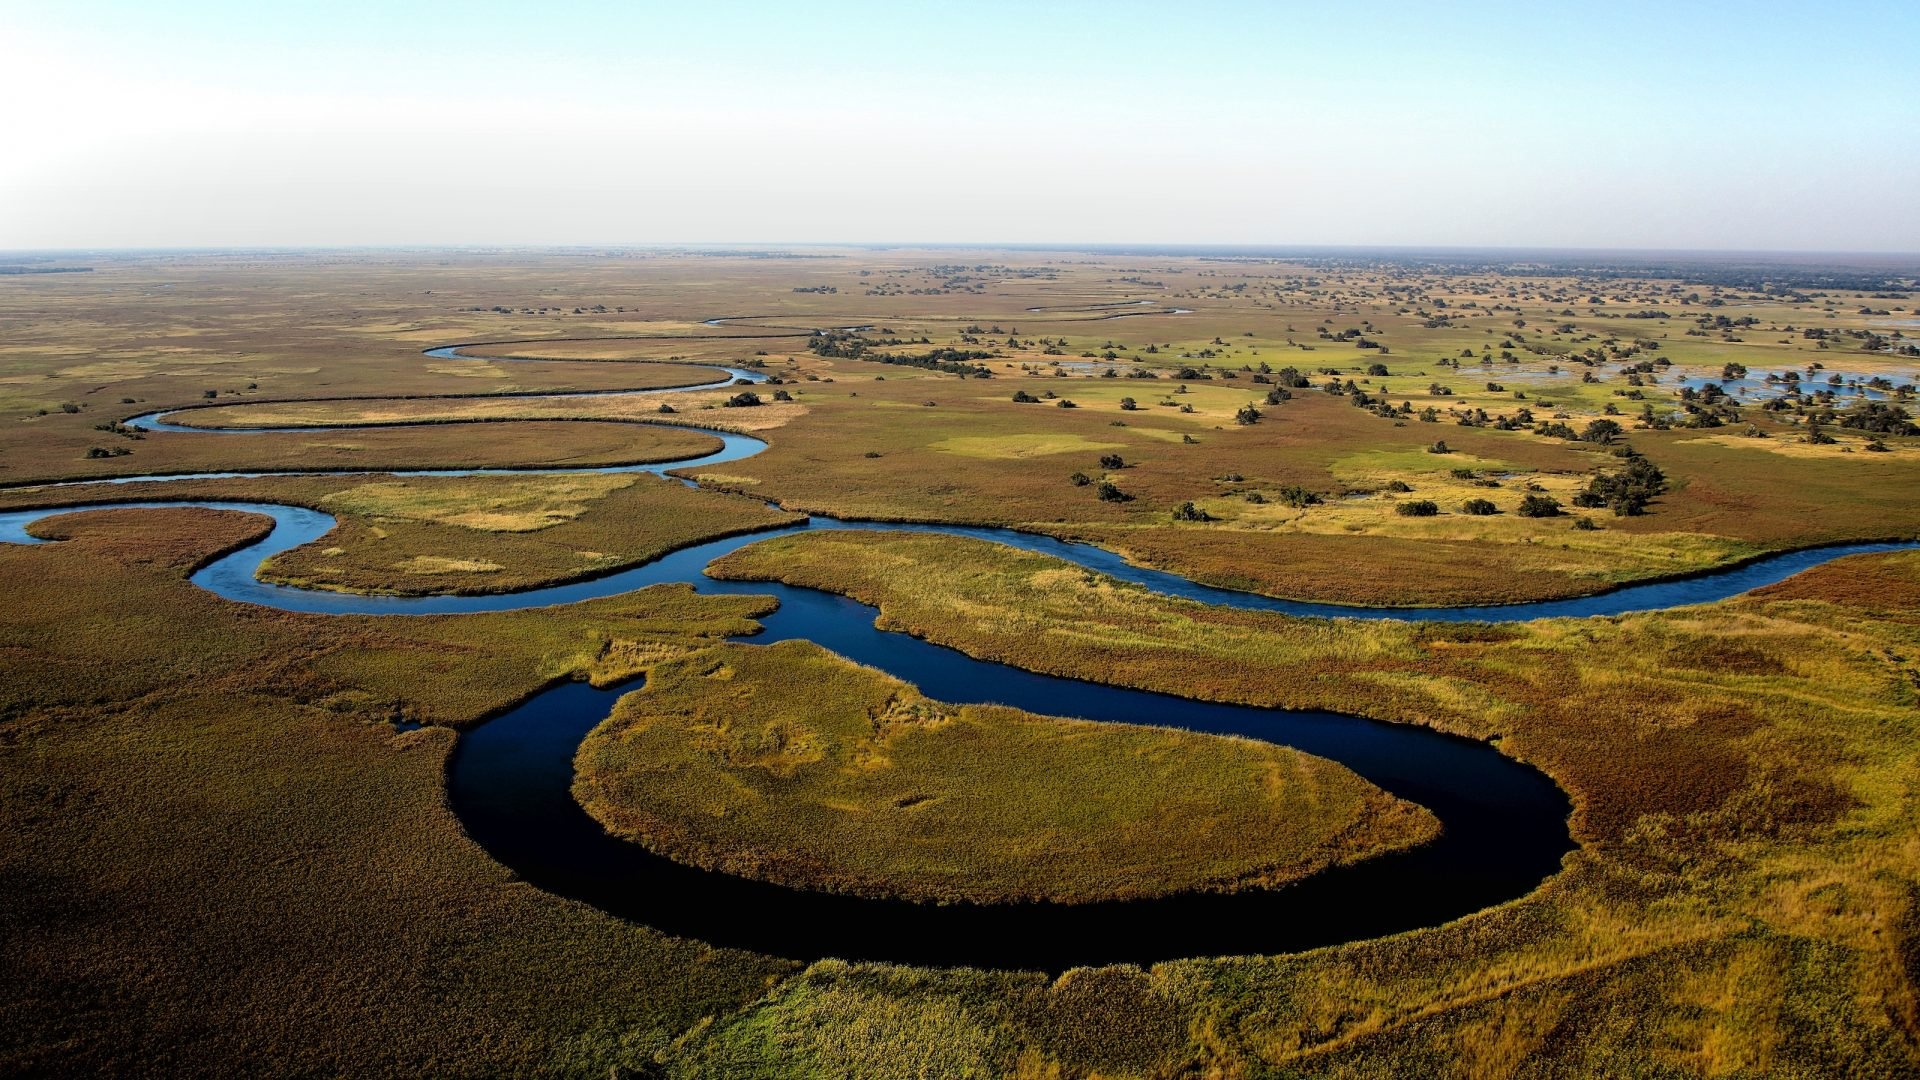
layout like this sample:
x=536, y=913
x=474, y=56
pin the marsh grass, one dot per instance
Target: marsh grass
x=510, y=533
x=219, y=858
x=790, y=764
x=218, y=854
x=421, y=535
x=695, y=406
x=1741, y=774
x=981, y=458
x=450, y=446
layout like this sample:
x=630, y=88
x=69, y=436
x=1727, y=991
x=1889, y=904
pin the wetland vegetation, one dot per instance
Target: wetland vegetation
x=226, y=839
x=850, y=781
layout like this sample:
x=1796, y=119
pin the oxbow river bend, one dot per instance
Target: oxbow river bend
x=510, y=778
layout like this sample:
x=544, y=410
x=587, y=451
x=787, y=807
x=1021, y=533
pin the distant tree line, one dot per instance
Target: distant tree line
x=845, y=346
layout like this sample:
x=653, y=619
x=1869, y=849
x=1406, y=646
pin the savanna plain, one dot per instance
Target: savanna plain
x=227, y=843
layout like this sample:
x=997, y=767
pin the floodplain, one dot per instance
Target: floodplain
x=227, y=841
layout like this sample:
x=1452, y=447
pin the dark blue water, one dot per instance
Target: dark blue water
x=509, y=780
x=1505, y=831
x=235, y=575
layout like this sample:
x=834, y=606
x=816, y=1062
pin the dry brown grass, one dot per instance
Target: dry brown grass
x=218, y=855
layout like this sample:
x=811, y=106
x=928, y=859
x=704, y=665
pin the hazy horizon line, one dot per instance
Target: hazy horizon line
x=1101, y=247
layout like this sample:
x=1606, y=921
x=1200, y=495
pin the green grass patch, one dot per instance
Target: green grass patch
x=1390, y=464
x=1019, y=446
x=440, y=534
x=1741, y=781
x=790, y=764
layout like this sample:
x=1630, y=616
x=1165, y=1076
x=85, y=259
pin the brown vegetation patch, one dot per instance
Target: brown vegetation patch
x=1885, y=583
x=218, y=854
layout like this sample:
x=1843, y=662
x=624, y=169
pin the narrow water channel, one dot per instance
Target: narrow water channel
x=509, y=780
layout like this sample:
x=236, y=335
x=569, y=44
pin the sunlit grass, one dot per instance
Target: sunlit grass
x=491, y=504
x=788, y=763
x=1741, y=773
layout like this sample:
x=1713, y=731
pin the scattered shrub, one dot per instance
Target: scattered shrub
x=1626, y=492
x=1539, y=506
x=1187, y=511
x=1880, y=418
x=1601, y=431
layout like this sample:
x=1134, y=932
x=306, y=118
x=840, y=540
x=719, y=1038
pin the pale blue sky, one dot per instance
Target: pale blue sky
x=1623, y=125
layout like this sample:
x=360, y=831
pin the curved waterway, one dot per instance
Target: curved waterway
x=510, y=778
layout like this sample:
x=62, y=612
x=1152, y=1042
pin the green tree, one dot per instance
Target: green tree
x=1539, y=506
x=1601, y=431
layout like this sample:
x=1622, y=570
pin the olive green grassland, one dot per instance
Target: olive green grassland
x=851, y=781
x=1741, y=776
x=221, y=853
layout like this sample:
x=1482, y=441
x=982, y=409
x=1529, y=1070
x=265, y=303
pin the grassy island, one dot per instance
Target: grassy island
x=791, y=764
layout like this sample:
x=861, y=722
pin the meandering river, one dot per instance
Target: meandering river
x=509, y=780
